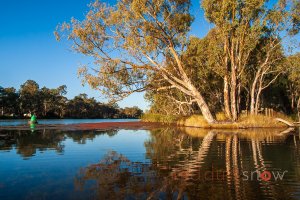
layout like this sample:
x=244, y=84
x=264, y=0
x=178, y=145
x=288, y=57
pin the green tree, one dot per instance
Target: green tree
x=130, y=112
x=131, y=42
x=2, y=100
x=240, y=27
x=29, y=96
x=199, y=59
x=52, y=101
x=11, y=101
x=293, y=65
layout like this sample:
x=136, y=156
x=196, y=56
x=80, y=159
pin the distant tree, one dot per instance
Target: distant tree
x=11, y=101
x=60, y=100
x=52, y=101
x=130, y=112
x=29, y=96
x=108, y=110
x=77, y=107
x=83, y=107
x=2, y=100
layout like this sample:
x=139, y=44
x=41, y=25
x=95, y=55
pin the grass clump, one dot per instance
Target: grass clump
x=200, y=122
x=245, y=121
x=193, y=120
x=220, y=116
x=261, y=121
x=166, y=119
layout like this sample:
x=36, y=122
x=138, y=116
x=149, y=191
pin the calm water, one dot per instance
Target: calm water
x=157, y=164
x=17, y=122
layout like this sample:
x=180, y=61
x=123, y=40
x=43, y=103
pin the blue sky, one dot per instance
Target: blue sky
x=28, y=49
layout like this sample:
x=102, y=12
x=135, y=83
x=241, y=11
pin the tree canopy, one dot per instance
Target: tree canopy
x=52, y=103
x=144, y=46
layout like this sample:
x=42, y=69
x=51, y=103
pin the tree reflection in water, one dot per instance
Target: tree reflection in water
x=117, y=177
x=180, y=160
x=27, y=143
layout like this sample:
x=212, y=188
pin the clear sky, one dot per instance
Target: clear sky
x=28, y=49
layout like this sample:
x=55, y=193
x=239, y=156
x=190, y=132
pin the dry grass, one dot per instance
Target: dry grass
x=193, y=121
x=249, y=121
x=221, y=116
x=262, y=121
x=166, y=119
x=200, y=122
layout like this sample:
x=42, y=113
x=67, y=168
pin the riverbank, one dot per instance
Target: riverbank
x=90, y=126
x=158, y=121
x=198, y=121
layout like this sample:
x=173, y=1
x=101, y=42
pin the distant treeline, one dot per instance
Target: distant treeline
x=52, y=103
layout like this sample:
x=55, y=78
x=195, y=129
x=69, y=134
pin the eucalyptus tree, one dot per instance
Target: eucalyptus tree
x=264, y=67
x=8, y=101
x=200, y=66
x=2, y=94
x=241, y=25
x=29, y=96
x=170, y=102
x=293, y=65
x=53, y=100
x=137, y=45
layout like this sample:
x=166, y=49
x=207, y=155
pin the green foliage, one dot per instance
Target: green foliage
x=130, y=112
x=248, y=40
x=293, y=65
x=83, y=107
x=202, y=69
x=8, y=100
x=141, y=45
x=51, y=103
x=293, y=82
x=124, y=39
x=29, y=96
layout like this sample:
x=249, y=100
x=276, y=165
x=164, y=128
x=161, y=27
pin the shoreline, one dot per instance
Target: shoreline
x=90, y=126
x=138, y=125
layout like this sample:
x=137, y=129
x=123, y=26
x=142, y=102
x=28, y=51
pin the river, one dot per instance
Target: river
x=18, y=122
x=162, y=163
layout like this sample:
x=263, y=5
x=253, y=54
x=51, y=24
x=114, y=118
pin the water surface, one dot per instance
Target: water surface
x=17, y=122
x=161, y=163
